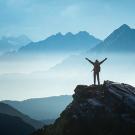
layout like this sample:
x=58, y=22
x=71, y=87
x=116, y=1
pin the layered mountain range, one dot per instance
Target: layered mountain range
x=121, y=40
x=44, y=109
x=8, y=110
x=14, y=122
x=59, y=43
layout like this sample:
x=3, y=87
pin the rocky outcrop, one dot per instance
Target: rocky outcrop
x=108, y=109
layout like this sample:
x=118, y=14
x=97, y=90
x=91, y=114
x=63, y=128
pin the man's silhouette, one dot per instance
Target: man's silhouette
x=96, y=69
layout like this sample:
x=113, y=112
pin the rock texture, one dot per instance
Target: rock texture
x=108, y=109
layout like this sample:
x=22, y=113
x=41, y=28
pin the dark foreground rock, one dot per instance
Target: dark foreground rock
x=108, y=109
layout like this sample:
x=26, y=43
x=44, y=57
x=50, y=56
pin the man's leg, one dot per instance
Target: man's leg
x=98, y=78
x=94, y=75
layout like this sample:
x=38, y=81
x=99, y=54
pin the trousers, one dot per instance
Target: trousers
x=96, y=76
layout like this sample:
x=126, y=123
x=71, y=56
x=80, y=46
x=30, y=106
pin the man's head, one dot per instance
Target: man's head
x=96, y=61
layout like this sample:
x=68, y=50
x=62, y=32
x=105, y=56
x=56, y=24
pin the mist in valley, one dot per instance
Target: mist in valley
x=52, y=75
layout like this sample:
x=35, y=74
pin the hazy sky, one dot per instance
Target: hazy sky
x=41, y=18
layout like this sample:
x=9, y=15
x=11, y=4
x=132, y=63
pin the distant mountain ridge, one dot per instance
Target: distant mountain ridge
x=121, y=40
x=11, y=125
x=8, y=44
x=81, y=41
x=8, y=110
x=19, y=41
x=39, y=108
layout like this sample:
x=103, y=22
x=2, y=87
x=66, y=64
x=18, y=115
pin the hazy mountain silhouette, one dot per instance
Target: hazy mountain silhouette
x=5, y=46
x=45, y=109
x=19, y=41
x=79, y=42
x=8, y=44
x=120, y=40
x=6, y=109
x=11, y=125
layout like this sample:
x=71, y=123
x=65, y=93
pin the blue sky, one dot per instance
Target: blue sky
x=40, y=18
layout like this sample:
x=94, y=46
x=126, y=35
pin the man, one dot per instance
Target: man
x=96, y=69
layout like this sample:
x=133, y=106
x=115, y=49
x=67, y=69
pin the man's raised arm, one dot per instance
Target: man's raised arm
x=90, y=61
x=103, y=60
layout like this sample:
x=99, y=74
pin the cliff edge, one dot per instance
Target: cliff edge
x=108, y=109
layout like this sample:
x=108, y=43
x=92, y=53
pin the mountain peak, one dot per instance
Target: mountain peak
x=120, y=40
x=83, y=33
x=59, y=34
x=124, y=27
x=69, y=34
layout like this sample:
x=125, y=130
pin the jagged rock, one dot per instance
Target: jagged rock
x=108, y=109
